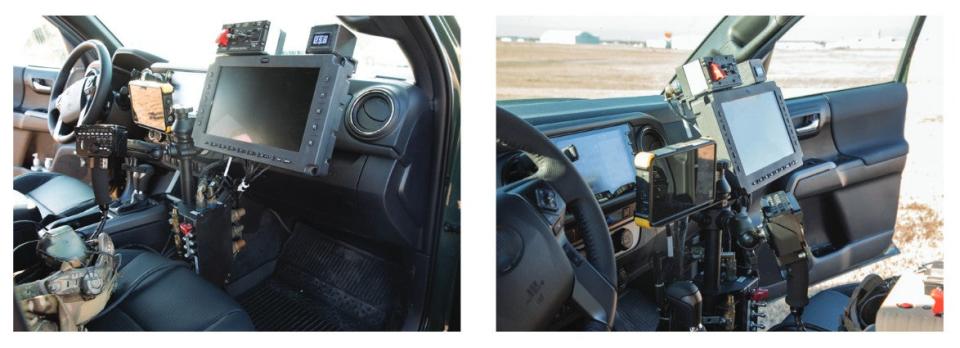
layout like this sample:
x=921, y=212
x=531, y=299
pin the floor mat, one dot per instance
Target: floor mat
x=324, y=284
x=636, y=312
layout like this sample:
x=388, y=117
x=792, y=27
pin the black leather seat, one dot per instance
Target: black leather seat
x=38, y=195
x=155, y=293
x=825, y=309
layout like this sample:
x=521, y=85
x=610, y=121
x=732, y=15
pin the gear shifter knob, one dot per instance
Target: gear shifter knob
x=141, y=178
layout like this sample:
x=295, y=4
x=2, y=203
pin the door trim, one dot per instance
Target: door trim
x=903, y=69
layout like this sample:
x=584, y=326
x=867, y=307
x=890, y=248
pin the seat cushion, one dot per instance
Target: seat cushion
x=159, y=294
x=54, y=194
x=824, y=310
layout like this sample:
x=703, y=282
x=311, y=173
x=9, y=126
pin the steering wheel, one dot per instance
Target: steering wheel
x=538, y=269
x=83, y=102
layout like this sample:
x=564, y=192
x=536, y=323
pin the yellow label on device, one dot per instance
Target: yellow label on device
x=643, y=223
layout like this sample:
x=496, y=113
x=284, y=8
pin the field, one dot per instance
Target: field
x=526, y=70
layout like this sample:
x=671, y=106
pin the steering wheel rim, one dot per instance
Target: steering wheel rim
x=538, y=269
x=84, y=101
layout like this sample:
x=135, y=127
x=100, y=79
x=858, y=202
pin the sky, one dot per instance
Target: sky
x=653, y=27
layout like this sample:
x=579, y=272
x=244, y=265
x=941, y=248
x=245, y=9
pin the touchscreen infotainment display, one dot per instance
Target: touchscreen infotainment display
x=604, y=158
x=265, y=106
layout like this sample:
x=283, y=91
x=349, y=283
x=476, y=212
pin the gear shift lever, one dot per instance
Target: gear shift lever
x=141, y=178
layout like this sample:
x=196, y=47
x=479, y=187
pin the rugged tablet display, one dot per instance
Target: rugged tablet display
x=282, y=111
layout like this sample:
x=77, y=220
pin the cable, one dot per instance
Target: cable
x=166, y=244
x=798, y=319
x=282, y=224
x=103, y=221
x=24, y=243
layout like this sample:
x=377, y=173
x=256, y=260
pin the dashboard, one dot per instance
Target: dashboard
x=378, y=166
x=603, y=136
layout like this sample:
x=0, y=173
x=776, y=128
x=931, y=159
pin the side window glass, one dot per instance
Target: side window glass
x=43, y=46
x=827, y=53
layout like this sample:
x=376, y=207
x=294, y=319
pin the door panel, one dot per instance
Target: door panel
x=849, y=185
x=31, y=99
x=868, y=122
x=35, y=83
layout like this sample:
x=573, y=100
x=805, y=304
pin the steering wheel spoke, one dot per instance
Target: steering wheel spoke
x=59, y=127
x=591, y=291
x=543, y=198
x=538, y=269
x=84, y=101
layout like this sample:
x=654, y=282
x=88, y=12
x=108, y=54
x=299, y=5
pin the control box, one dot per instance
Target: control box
x=333, y=39
x=101, y=141
x=910, y=307
x=708, y=74
x=250, y=38
x=752, y=72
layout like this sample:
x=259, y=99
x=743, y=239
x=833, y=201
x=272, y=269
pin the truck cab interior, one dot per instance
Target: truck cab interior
x=330, y=205
x=572, y=254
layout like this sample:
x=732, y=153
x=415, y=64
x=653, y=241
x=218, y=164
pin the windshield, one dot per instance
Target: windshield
x=593, y=57
x=189, y=40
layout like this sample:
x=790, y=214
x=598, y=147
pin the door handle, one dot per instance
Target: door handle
x=810, y=126
x=40, y=86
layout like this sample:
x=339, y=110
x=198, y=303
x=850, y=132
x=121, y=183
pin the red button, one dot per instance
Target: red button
x=186, y=228
x=224, y=38
x=760, y=295
x=905, y=305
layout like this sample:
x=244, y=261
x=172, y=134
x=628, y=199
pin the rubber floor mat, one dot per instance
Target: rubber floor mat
x=324, y=284
x=635, y=312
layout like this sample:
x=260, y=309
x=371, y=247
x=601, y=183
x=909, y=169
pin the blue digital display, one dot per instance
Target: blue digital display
x=605, y=157
x=320, y=39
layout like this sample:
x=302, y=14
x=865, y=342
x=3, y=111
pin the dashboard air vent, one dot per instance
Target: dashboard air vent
x=649, y=139
x=371, y=113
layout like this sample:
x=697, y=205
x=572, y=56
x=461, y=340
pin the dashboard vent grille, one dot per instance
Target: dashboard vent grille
x=371, y=113
x=649, y=139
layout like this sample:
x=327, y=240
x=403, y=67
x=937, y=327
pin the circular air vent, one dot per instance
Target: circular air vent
x=649, y=139
x=371, y=113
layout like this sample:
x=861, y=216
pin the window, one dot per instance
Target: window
x=593, y=57
x=43, y=46
x=190, y=42
x=826, y=53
